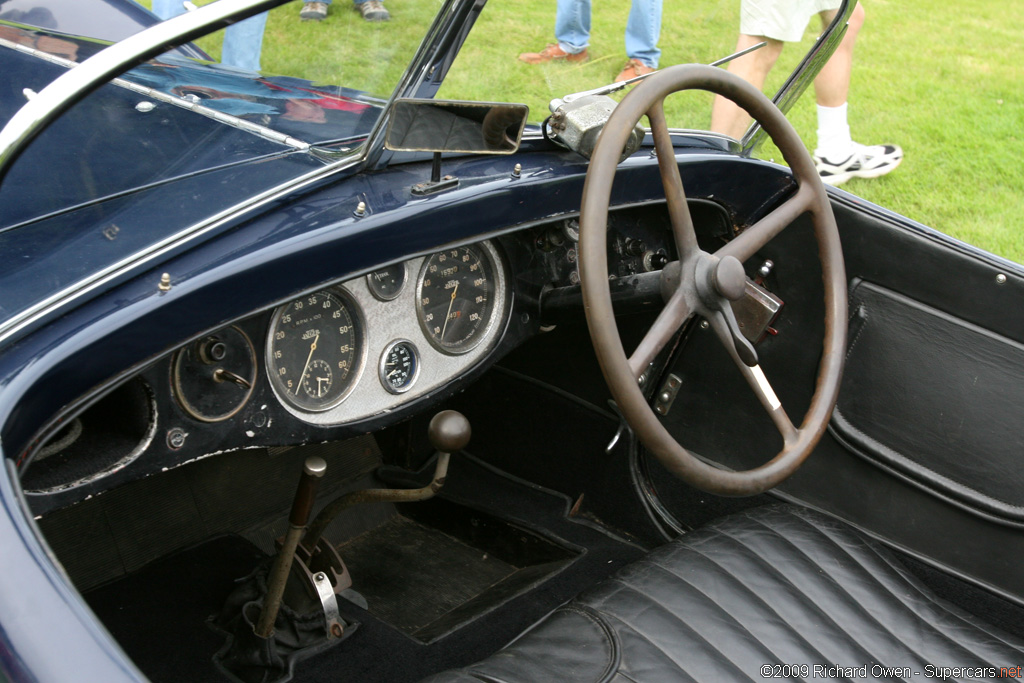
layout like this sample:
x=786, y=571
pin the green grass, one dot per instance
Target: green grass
x=943, y=80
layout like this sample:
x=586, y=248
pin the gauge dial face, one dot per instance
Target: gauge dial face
x=455, y=298
x=387, y=283
x=214, y=377
x=315, y=350
x=399, y=366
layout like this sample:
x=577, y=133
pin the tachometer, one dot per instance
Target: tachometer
x=455, y=298
x=315, y=349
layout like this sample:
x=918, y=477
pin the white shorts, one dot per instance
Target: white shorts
x=784, y=20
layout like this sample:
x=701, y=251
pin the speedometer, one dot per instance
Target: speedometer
x=455, y=298
x=315, y=350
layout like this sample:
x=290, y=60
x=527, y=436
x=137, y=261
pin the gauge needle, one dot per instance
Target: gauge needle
x=450, y=304
x=305, y=369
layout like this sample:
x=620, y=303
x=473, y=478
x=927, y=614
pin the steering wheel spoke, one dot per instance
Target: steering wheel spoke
x=747, y=243
x=666, y=325
x=759, y=384
x=766, y=395
x=678, y=211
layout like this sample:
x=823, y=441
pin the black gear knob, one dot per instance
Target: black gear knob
x=449, y=431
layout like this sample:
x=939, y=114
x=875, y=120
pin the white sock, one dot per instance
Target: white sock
x=834, y=141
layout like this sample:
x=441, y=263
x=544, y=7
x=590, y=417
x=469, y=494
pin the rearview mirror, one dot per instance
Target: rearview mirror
x=419, y=125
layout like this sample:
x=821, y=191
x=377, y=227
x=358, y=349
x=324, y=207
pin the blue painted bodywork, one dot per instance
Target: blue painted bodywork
x=296, y=242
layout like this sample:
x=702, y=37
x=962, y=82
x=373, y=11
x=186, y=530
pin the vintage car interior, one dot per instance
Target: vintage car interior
x=401, y=395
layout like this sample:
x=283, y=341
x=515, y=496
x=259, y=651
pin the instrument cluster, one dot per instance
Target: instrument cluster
x=369, y=344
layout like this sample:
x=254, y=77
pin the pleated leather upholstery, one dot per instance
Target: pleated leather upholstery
x=778, y=585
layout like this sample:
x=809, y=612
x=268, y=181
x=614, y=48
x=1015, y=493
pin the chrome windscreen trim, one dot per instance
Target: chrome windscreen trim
x=219, y=116
x=70, y=87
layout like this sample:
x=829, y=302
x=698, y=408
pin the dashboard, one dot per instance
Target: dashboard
x=350, y=357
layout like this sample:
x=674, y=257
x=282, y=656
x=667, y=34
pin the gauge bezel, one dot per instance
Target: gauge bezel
x=359, y=358
x=405, y=280
x=381, y=374
x=495, y=302
x=193, y=411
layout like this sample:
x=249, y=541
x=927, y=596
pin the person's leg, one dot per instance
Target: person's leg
x=728, y=118
x=572, y=25
x=572, y=31
x=643, y=30
x=165, y=9
x=832, y=85
x=837, y=157
x=243, y=43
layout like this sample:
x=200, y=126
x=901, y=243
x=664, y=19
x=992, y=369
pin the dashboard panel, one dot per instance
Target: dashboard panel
x=429, y=330
x=347, y=358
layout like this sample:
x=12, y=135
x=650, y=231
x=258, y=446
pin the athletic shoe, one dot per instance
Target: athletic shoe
x=633, y=68
x=373, y=10
x=865, y=162
x=553, y=53
x=313, y=11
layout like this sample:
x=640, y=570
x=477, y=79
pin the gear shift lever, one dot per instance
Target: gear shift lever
x=449, y=431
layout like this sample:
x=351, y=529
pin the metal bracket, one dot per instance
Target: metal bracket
x=436, y=182
x=329, y=601
x=756, y=311
x=667, y=395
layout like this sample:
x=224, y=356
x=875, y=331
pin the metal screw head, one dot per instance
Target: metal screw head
x=320, y=576
x=176, y=438
x=360, y=210
x=517, y=170
x=1000, y=279
x=145, y=107
x=165, y=282
x=704, y=324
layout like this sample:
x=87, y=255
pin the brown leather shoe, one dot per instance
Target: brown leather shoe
x=633, y=68
x=553, y=53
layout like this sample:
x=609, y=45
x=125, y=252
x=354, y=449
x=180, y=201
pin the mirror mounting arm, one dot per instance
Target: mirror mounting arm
x=436, y=182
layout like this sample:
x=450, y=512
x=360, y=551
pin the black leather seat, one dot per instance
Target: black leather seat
x=773, y=586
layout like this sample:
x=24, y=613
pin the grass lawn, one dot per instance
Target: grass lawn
x=943, y=80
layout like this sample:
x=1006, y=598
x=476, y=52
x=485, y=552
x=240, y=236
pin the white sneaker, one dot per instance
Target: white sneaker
x=865, y=162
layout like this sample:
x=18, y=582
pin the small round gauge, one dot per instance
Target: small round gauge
x=315, y=350
x=214, y=377
x=455, y=298
x=399, y=366
x=387, y=283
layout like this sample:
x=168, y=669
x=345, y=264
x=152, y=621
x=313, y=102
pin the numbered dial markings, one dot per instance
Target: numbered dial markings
x=315, y=349
x=399, y=366
x=455, y=298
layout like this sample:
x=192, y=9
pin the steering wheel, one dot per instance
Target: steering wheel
x=704, y=284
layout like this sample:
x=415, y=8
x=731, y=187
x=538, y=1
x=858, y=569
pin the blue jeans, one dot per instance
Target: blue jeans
x=243, y=42
x=572, y=29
